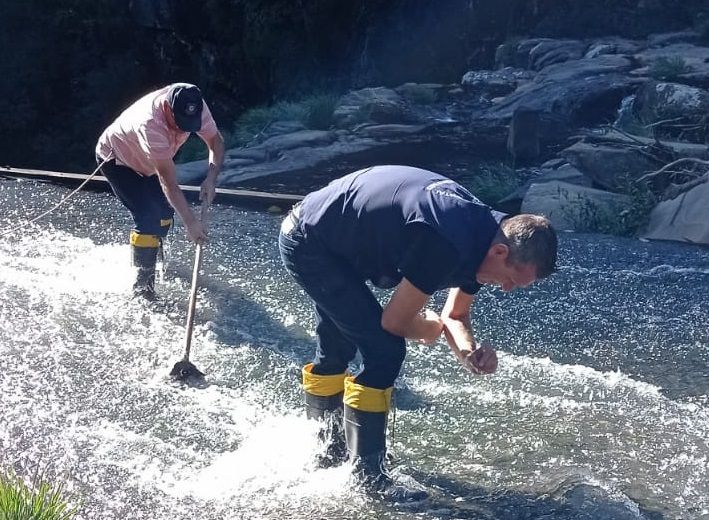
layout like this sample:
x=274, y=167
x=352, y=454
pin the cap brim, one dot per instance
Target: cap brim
x=188, y=124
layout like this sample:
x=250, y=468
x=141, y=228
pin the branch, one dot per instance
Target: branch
x=672, y=165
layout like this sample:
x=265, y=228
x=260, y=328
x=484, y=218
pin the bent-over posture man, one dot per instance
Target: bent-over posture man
x=420, y=232
x=140, y=145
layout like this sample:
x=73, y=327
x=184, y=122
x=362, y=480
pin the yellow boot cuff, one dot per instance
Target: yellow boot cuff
x=138, y=240
x=323, y=386
x=365, y=398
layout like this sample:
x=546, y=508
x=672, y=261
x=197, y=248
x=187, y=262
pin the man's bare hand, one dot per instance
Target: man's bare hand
x=482, y=360
x=208, y=189
x=195, y=232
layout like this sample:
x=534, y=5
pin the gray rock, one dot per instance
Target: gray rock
x=298, y=139
x=547, y=53
x=695, y=57
x=608, y=165
x=565, y=173
x=569, y=206
x=584, y=91
x=490, y=82
x=657, y=101
x=664, y=39
x=685, y=218
x=390, y=131
x=377, y=105
x=612, y=46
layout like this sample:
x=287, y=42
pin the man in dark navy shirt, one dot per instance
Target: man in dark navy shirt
x=419, y=232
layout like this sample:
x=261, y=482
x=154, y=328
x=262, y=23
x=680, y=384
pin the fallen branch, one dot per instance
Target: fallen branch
x=672, y=165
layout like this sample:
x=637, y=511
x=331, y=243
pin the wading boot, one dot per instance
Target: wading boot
x=366, y=411
x=323, y=402
x=145, y=254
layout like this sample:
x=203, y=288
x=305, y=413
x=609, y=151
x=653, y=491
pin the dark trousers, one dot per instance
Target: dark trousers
x=348, y=314
x=143, y=196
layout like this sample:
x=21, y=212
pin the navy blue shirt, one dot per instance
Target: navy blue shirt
x=391, y=222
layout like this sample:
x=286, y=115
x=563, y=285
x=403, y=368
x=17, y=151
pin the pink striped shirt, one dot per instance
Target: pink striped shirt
x=141, y=134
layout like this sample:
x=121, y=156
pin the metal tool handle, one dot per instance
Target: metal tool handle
x=193, y=291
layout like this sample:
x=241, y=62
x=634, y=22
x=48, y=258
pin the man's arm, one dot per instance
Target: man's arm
x=402, y=315
x=168, y=181
x=216, y=160
x=459, y=334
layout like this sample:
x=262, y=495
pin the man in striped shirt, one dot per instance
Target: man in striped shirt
x=137, y=150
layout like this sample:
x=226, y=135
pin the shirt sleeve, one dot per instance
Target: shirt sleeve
x=429, y=258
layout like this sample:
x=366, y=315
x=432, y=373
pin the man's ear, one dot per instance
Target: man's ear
x=500, y=251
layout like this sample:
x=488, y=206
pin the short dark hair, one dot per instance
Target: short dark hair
x=531, y=239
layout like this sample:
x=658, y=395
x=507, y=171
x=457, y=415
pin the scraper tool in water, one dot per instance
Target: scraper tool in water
x=184, y=369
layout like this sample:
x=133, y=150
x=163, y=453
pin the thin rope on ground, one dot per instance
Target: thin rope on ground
x=9, y=231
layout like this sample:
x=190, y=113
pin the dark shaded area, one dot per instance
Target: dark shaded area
x=69, y=69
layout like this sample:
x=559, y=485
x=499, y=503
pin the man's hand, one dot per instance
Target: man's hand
x=195, y=232
x=208, y=189
x=482, y=360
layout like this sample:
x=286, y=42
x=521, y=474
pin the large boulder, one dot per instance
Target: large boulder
x=584, y=91
x=695, y=57
x=611, y=166
x=574, y=207
x=564, y=173
x=658, y=101
x=685, y=218
x=547, y=53
x=492, y=83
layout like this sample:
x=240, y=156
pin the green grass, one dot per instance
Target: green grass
x=492, y=181
x=669, y=68
x=38, y=501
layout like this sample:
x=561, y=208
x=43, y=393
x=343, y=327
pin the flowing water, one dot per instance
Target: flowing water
x=600, y=408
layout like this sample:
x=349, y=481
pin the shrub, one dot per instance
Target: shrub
x=491, y=182
x=38, y=501
x=590, y=218
x=669, y=68
x=320, y=109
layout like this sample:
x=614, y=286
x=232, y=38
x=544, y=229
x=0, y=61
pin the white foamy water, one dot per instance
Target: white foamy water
x=599, y=409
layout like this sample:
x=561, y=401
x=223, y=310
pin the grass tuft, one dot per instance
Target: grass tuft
x=38, y=501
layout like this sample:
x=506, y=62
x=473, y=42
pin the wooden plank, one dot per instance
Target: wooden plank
x=224, y=195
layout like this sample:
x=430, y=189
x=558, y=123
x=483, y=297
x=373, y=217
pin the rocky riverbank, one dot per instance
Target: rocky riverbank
x=613, y=132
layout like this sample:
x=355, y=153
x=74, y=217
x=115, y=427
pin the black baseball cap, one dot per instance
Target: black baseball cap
x=186, y=103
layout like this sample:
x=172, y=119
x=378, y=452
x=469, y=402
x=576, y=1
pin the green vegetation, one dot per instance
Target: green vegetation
x=314, y=112
x=493, y=181
x=590, y=218
x=669, y=68
x=38, y=501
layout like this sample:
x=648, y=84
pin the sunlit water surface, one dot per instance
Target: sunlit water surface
x=599, y=410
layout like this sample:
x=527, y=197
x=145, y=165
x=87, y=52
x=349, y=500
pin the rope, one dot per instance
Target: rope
x=9, y=231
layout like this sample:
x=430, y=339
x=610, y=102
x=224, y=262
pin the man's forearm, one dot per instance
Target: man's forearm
x=459, y=335
x=177, y=200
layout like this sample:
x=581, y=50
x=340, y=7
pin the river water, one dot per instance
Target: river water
x=599, y=410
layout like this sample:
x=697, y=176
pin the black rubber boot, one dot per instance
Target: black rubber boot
x=328, y=410
x=145, y=258
x=365, y=433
